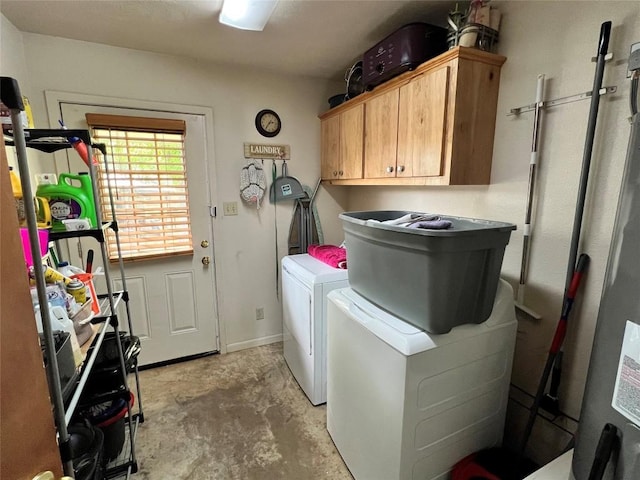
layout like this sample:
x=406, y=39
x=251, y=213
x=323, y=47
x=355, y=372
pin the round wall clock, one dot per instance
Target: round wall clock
x=268, y=123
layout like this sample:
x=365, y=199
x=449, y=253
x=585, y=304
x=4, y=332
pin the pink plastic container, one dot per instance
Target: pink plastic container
x=43, y=237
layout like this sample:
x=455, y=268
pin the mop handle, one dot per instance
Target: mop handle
x=554, y=351
x=603, y=45
x=533, y=162
x=576, y=279
x=605, y=33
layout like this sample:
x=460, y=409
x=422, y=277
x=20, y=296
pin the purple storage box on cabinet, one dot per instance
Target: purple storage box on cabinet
x=432, y=279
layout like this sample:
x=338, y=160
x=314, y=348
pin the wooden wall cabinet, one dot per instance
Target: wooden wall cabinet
x=431, y=126
x=381, y=135
x=342, y=145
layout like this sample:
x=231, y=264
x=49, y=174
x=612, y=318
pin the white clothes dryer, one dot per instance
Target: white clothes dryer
x=403, y=404
x=306, y=282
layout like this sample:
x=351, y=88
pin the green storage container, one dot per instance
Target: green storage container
x=70, y=198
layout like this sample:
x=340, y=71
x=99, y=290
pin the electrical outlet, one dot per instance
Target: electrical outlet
x=260, y=313
x=230, y=208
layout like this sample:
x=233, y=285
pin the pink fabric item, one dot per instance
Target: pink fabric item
x=329, y=254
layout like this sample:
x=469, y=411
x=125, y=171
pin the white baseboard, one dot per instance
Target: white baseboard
x=256, y=342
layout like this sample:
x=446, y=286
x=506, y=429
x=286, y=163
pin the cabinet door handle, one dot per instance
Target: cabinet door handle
x=389, y=169
x=401, y=168
x=340, y=172
x=335, y=173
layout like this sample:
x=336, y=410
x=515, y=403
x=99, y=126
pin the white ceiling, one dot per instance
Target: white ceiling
x=318, y=38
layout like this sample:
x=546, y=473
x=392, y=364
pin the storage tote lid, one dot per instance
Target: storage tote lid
x=459, y=225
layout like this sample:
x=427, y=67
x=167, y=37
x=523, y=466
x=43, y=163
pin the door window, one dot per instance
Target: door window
x=147, y=174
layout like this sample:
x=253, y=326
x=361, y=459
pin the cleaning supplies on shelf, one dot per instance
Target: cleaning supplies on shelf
x=70, y=198
x=51, y=275
x=43, y=238
x=16, y=187
x=80, y=290
x=56, y=295
x=76, y=224
x=61, y=321
x=46, y=178
x=80, y=147
x=69, y=270
x=87, y=279
x=43, y=213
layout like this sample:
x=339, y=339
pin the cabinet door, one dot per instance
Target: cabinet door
x=381, y=135
x=28, y=439
x=330, y=148
x=421, y=125
x=351, y=143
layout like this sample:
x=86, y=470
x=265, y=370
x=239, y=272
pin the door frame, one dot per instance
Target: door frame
x=54, y=98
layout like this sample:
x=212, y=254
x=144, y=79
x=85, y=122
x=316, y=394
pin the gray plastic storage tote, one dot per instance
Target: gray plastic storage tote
x=433, y=279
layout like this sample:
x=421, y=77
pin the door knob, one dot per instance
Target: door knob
x=389, y=169
x=204, y=243
x=206, y=260
x=44, y=476
x=48, y=475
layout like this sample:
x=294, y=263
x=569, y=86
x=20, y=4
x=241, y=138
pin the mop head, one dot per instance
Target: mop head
x=252, y=183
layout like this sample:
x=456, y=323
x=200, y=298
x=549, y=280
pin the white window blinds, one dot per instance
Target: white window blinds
x=148, y=178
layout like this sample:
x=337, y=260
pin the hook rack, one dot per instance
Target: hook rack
x=561, y=101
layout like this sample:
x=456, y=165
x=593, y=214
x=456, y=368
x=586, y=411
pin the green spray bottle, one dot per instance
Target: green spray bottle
x=71, y=198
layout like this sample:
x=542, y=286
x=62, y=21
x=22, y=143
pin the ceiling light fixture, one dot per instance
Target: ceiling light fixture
x=247, y=14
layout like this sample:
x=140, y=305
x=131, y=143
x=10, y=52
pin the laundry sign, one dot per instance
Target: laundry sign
x=260, y=150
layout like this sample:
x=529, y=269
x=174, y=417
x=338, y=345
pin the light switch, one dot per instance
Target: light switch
x=230, y=208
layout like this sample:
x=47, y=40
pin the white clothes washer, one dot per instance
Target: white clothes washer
x=306, y=282
x=405, y=404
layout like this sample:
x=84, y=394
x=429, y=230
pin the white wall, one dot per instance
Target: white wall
x=244, y=244
x=557, y=39
x=12, y=60
x=13, y=64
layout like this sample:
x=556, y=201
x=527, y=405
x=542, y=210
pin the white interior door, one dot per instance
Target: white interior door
x=172, y=299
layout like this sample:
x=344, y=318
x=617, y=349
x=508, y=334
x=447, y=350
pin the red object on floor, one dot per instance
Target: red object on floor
x=469, y=469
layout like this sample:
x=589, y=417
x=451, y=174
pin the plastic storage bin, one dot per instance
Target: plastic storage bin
x=66, y=364
x=106, y=375
x=432, y=279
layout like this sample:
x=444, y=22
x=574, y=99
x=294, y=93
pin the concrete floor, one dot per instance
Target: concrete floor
x=235, y=416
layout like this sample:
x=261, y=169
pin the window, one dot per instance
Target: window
x=148, y=178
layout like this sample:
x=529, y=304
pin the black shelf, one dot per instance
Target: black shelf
x=70, y=408
x=105, y=308
x=97, y=233
x=50, y=141
x=125, y=464
x=53, y=140
x=87, y=366
x=102, y=397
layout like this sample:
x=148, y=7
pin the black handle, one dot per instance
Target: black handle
x=583, y=263
x=605, y=32
x=603, y=451
x=89, y=265
x=10, y=93
x=555, y=376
